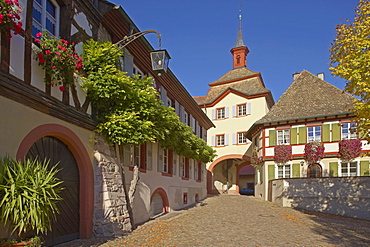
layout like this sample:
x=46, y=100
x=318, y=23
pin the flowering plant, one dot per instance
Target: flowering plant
x=283, y=153
x=10, y=16
x=255, y=160
x=349, y=149
x=58, y=58
x=313, y=152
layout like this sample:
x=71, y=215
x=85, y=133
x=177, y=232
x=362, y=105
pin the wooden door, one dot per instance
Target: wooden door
x=66, y=227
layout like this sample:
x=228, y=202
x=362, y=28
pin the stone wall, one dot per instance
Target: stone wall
x=347, y=196
x=111, y=217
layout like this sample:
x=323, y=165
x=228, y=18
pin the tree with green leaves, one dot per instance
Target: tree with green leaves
x=129, y=111
x=350, y=60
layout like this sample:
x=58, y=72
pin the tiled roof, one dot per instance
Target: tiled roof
x=309, y=96
x=234, y=74
x=248, y=86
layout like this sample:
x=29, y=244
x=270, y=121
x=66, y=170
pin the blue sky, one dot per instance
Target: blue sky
x=283, y=36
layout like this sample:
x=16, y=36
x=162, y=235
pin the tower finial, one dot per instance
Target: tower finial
x=239, y=41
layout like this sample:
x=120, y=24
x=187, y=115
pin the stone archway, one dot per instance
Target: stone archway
x=224, y=164
x=86, y=174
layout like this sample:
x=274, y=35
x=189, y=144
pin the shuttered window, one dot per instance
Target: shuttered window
x=333, y=169
x=326, y=133
x=271, y=172
x=272, y=138
x=293, y=136
x=296, y=170
x=364, y=168
x=302, y=135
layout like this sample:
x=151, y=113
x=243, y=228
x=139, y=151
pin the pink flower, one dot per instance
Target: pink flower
x=57, y=53
x=53, y=67
x=40, y=55
x=37, y=40
x=41, y=60
x=38, y=35
x=62, y=88
x=47, y=52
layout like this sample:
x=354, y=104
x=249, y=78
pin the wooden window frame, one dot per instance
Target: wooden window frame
x=244, y=110
x=314, y=130
x=222, y=142
x=242, y=133
x=278, y=142
x=349, y=134
x=220, y=113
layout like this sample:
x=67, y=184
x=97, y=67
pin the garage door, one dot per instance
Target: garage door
x=156, y=206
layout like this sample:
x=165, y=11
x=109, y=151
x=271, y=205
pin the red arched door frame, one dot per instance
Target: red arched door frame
x=163, y=194
x=84, y=166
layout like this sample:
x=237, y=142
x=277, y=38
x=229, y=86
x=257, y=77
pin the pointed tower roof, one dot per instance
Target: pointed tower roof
x=239, y=51
x=239, y=40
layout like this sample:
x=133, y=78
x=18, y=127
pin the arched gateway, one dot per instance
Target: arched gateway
x=223, y=174
x=60, y=144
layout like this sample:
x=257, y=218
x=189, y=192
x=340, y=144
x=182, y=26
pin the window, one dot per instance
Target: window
x=221, y=113
x=242, y=110
x=348, y=131
x=165, y=160
x=196, y=171
x=186, y=118
x=149, y=156
x=182, y=172
x=174, y=163
x=45, y=15
x=191, y=162
x=349, y=169
x=284, y=171
x=256, y=142
x=314, y=133
x=242, y=138
x=283, y=137
x=131, y=155
x=220, y=140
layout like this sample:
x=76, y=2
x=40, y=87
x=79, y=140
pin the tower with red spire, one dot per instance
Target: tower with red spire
x=239, y=51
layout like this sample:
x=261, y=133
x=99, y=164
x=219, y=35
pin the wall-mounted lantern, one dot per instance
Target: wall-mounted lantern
x=160, y=60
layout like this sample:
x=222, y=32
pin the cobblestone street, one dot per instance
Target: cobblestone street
x=231, y=220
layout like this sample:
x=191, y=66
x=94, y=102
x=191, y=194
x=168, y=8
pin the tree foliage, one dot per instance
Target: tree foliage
x=129, y=109
x=350, y=60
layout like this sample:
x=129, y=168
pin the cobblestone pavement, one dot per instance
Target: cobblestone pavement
x=231, y=220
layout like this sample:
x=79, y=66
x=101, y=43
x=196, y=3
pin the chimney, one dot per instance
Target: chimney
x=321, y=75
x=295, y=75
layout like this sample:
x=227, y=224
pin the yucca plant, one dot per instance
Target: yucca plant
x=29, y=192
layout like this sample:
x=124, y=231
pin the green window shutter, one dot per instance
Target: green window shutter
x=364, y=168
x=296, y=171
x=302, y=135
x=335, y=132
x=293, y=136
x=333, y=166
x=325, y=133
x=272, y=138
x=271, y=172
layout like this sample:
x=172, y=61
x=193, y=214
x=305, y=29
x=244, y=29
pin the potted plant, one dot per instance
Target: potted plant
x=10, y=17
x=283, y=153
x=29, y=191
x=314, y=152
x=58, y=58
x=349, y=149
